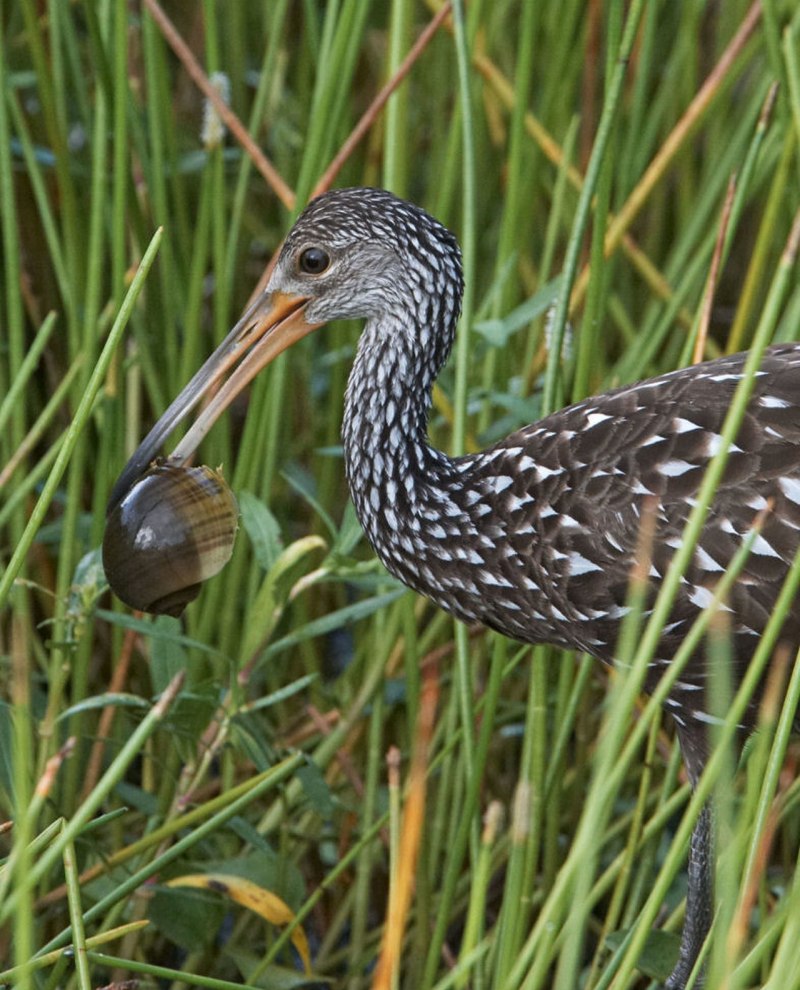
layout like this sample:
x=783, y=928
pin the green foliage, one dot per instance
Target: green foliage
x=581, y=152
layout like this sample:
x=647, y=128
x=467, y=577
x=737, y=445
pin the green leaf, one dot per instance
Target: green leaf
x=335, y=620
x=497, y=332
x=117, y=700
x=89, y=577
x=283, y=693
x=659, y=955
x=274, y=977
x=189, y=918
x=350, y=532
x=265, y=608
x=316, y=789
x=168, y=631
x=6, y=756
x=168, y=656
x=262, y=529
x=247, y=736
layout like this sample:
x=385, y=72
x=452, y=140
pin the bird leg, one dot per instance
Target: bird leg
x=700, y=868
x=699, y=901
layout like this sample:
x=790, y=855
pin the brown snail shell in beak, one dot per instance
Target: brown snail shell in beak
x=172, y=531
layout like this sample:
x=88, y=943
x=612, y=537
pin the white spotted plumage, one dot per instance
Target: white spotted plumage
x=538, y=535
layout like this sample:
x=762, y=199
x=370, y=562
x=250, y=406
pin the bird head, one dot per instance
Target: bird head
x=362, y=253
x=352, y=253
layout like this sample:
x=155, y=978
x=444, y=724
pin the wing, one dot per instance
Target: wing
x=568, y=528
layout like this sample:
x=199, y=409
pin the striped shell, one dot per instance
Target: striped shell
x=173, y=530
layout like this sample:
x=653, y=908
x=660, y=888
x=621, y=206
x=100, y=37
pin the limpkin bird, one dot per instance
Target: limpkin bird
x=535, y=537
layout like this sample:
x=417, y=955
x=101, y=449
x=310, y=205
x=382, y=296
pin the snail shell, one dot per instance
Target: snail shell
x=173, y=530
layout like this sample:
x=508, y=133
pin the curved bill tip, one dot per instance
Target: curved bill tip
x=274, y=322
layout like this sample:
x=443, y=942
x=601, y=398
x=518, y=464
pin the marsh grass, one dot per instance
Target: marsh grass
x=582, y=153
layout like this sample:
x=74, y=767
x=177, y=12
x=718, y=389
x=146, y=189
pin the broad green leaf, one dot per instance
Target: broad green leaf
x=497, y=332
x=262, y=528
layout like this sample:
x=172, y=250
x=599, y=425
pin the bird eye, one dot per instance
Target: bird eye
x=314, y=261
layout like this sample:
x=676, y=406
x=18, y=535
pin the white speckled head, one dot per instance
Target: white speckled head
x=364, y=253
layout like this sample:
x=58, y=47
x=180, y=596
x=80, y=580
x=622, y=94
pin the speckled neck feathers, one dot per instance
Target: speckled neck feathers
x=397, y=480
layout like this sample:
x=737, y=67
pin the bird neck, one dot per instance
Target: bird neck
x=394, y=475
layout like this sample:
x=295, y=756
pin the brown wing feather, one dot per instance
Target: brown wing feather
x=565, y=532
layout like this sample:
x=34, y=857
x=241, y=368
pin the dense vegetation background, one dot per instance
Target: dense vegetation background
x=585, y=154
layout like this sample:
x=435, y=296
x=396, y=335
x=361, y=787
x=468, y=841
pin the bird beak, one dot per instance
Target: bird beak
x=272, y=323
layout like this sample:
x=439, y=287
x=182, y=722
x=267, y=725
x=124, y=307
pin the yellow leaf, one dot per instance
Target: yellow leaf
x=250, y=895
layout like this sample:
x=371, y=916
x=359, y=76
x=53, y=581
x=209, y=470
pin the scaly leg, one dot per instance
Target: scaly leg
x=700, y=868
x=699, y=901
